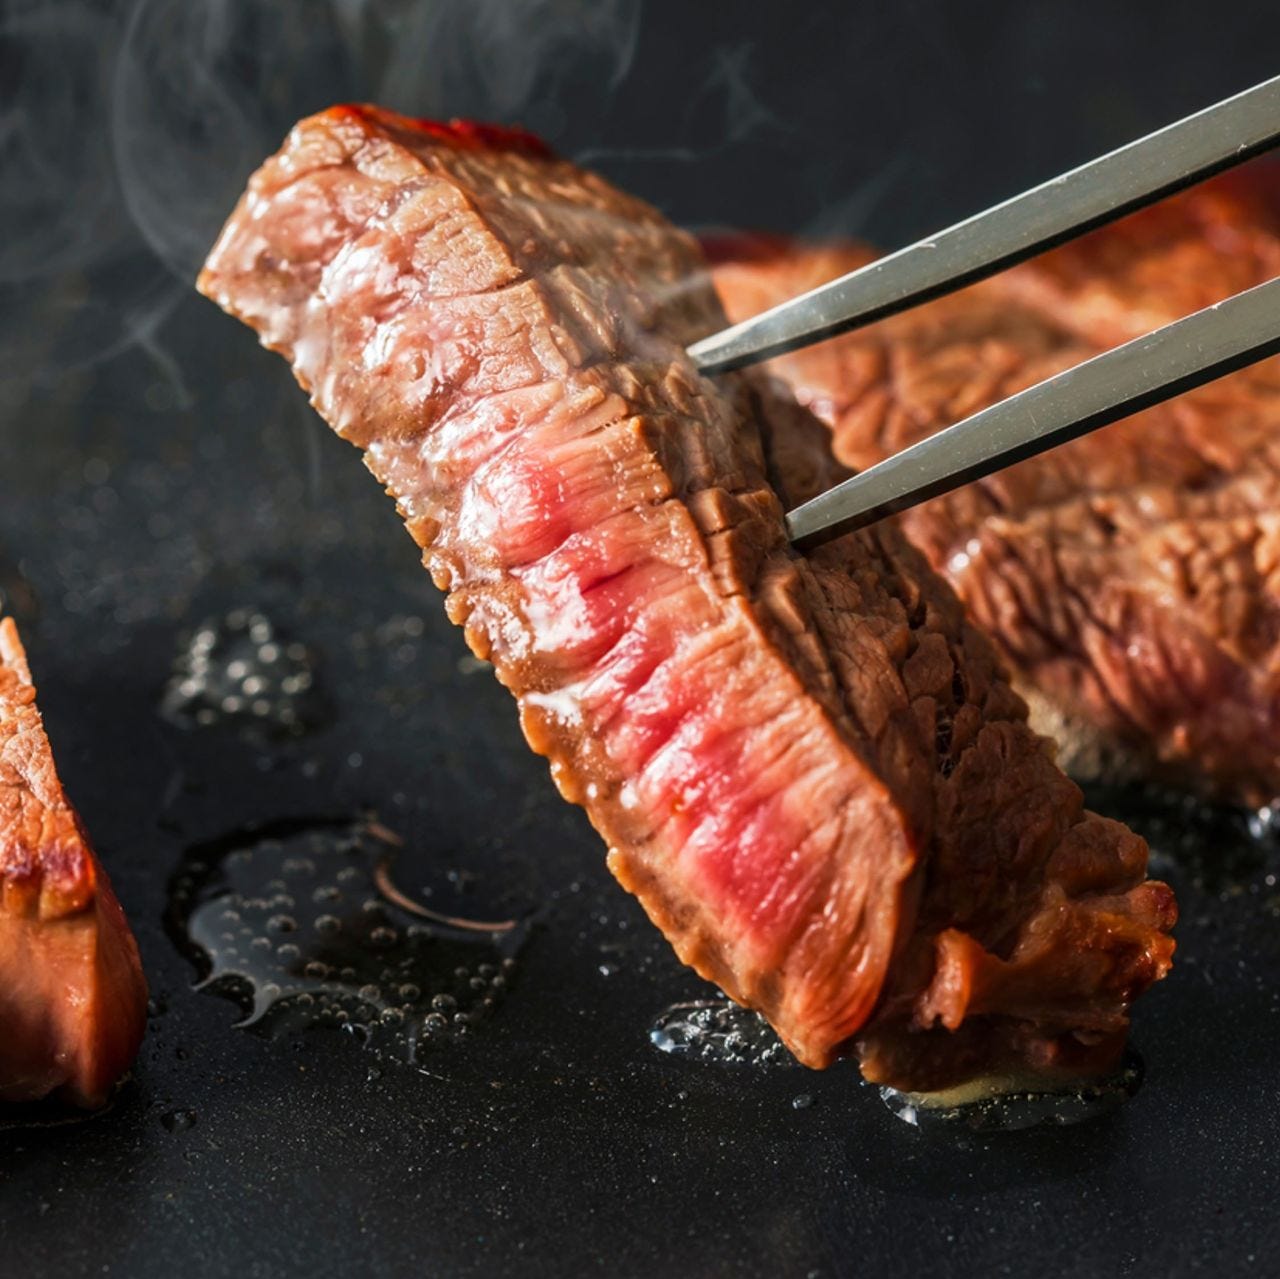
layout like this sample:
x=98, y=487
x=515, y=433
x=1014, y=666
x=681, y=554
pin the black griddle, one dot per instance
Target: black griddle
x=182, y=476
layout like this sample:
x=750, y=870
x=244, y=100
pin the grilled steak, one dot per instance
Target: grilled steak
x=72, y=995
x=810, y=769
x=1131, y=577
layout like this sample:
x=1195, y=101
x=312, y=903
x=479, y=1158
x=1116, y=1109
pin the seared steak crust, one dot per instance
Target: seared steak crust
x=72, y=995
x=809, y=769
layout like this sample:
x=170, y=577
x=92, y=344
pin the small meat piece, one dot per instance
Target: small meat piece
x=72, y=995
x=810, y=769
x=1131, y=577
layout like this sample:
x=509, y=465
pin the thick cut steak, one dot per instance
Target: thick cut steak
x=1132, y=578
x=809, y=769
x=72, y=995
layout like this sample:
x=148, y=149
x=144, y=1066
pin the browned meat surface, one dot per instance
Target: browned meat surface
x=72, y=995
x=809, y=769
x=1132, y=578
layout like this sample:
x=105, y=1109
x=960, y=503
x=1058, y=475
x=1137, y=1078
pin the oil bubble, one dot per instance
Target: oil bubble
x=360, y=960
x=718, y=1032
x=233, y=669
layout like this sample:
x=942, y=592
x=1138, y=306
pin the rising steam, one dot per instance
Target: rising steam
x=128, y=128
x=202, y=91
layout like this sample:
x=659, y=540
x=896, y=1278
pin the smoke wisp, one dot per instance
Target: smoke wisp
x=128, y=129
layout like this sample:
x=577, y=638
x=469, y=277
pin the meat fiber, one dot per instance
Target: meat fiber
x=809, y=768
x=1132, y=577
x=72, y=995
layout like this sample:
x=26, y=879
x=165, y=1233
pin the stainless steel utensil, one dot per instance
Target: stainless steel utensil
x=1143, y=372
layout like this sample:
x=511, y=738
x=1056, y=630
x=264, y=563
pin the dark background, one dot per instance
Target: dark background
x=157, y=468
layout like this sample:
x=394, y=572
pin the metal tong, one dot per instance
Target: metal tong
x=1164, y=363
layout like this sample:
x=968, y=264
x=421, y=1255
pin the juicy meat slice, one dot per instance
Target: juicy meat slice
x=1132, y=577
x=810, y=769
x=72, y=995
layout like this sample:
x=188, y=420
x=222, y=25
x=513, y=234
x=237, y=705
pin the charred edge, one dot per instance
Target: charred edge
x=463, y=134
x=55, y=880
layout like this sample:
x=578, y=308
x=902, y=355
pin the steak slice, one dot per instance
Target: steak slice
x=1131, y=577
x=72, y=995
x=810, y=769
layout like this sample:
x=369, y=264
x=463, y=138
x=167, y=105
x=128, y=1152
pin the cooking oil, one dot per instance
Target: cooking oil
x=241, y=669
x=1001, y=1106
x=302, y=924
x=719, y=1032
